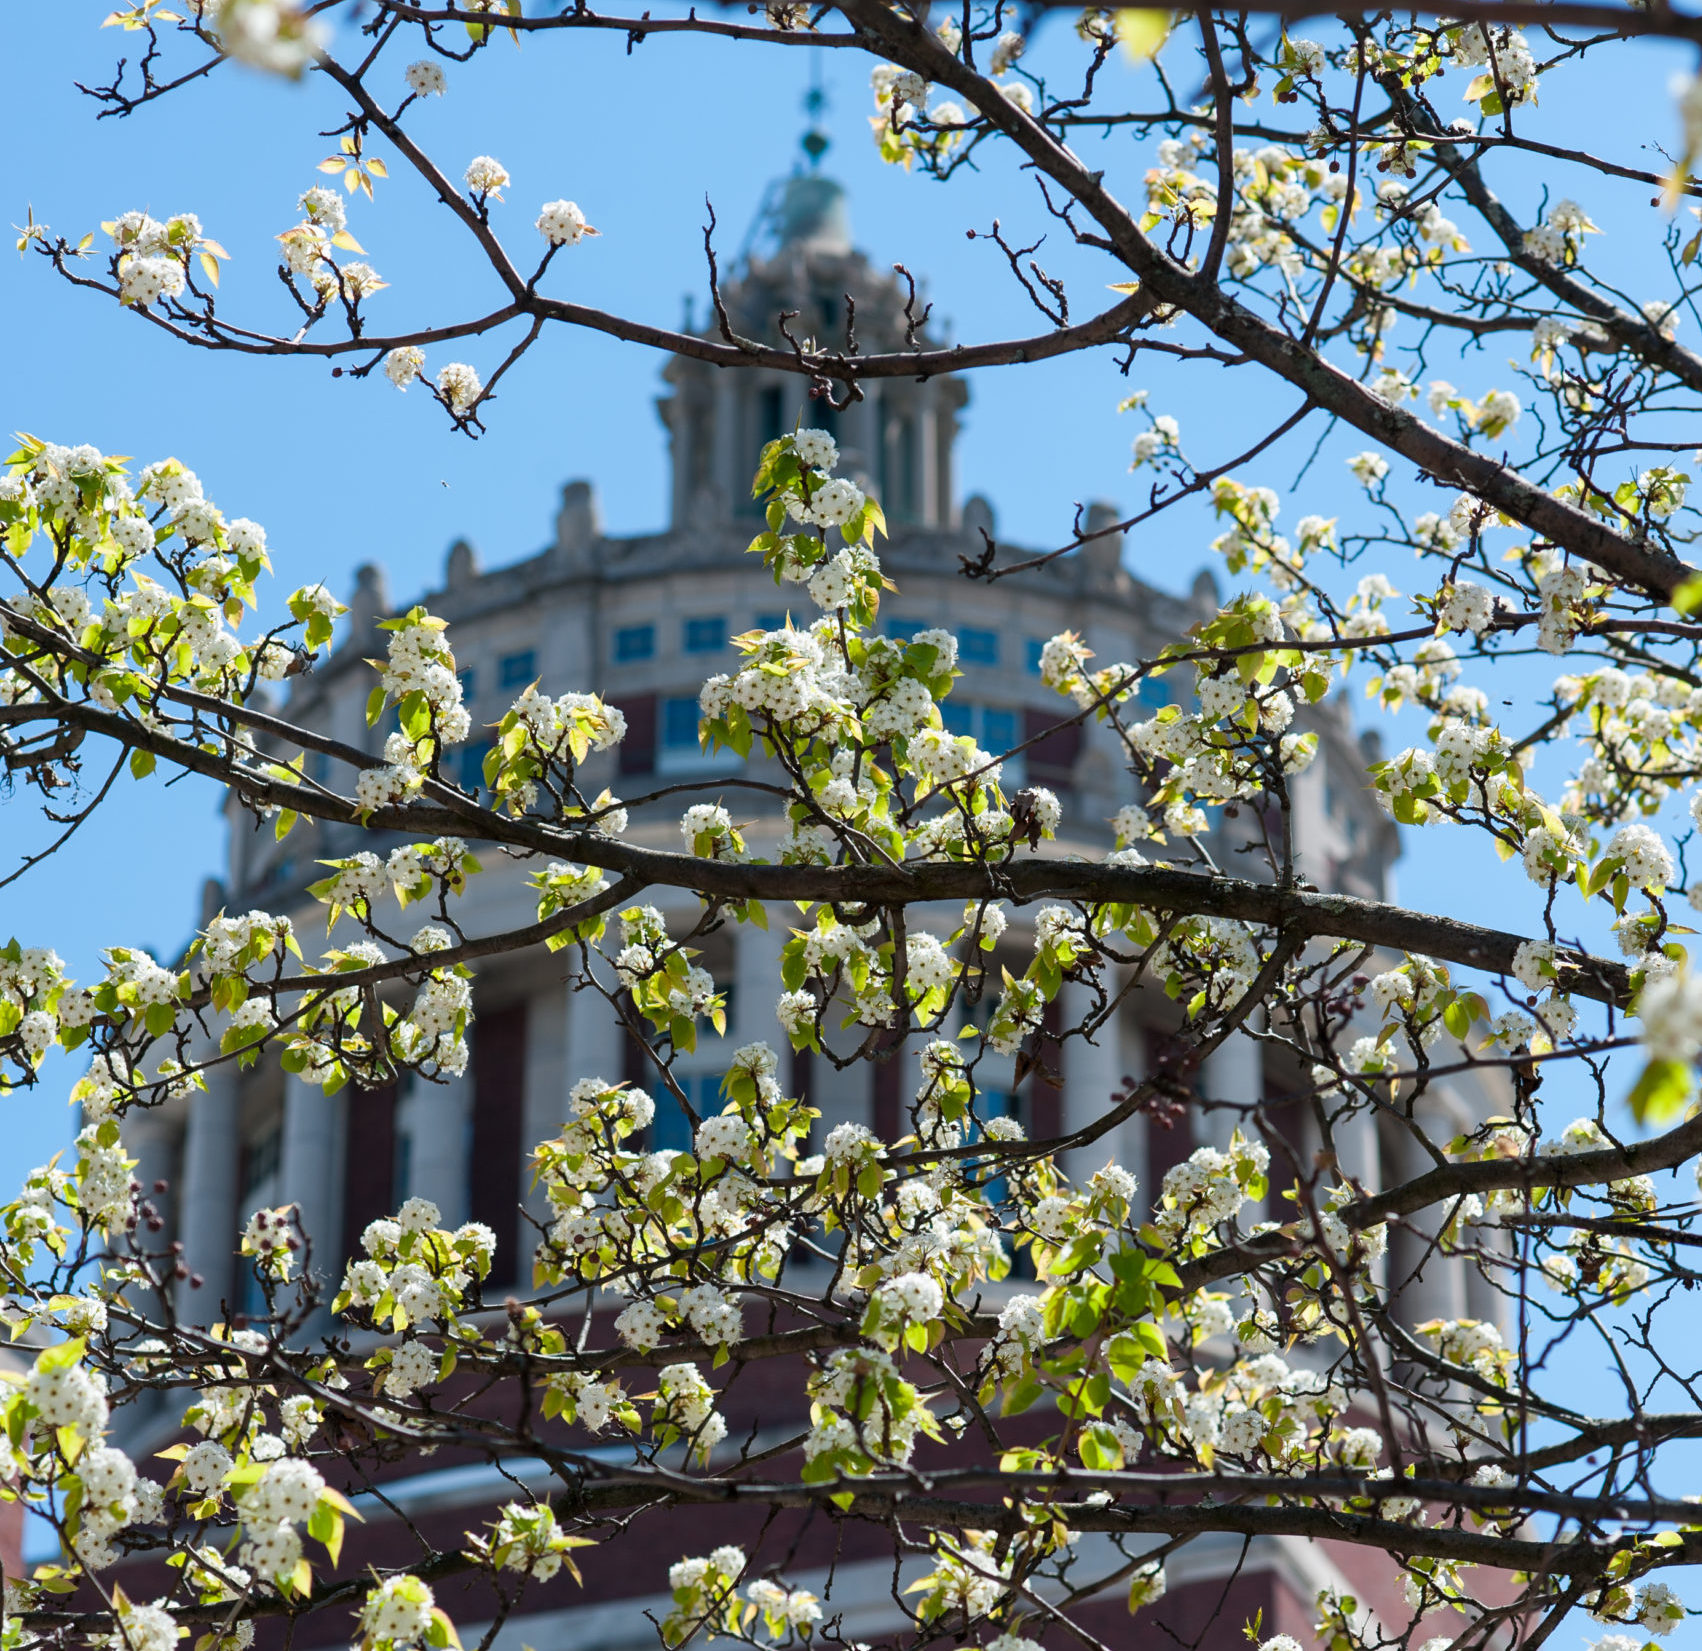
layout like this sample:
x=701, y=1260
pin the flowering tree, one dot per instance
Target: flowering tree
x=1235, y=1363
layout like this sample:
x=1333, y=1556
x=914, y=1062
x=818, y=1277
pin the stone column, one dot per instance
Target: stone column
x=308, y=1167
x=1427, y=1283
x=1234, y=1072
x=948, y=397
x=683, y=436
x=732, y=465
x=1092, y=1071
x=208, y=1198
x=1103, y=781
x=927, y=458
x=1353, y=1127
x=547, y=1084
x=436, y=1119
x=596, y=1040
x=860, y=439
x=1132, y=1136
x=756, y=986
x=1359, y=1158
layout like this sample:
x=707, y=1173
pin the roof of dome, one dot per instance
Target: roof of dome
x=811, y=212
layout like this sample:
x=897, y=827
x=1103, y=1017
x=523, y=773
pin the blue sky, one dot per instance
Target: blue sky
x=343, y=472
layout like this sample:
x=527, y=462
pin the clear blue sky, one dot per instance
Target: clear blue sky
x=343, y=472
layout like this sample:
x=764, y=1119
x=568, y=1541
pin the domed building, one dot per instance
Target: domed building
x=643, y=620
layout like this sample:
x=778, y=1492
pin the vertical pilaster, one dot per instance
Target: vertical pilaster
x=1234, y=1074
x=436, y=1118
x=543, y=1106
x=925, y=433
x=756, y=986
x=596, y=1040
x=1092, y=1071
x=208, y=1212
x=308, y=1170
x=1426, y=1283
x=729, y=454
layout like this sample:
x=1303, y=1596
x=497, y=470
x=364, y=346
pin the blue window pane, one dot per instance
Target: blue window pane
x=679, y=723
x=634, y=642
x=670, y=1129
x=516, y=670
x=771, y=621
x=472, y=775
x=958, y=717
x=902, y=630
x=469, y=681
x=705, y=636
x=978, y=647
x=997, y=1103
x=998, y=730
x=402, y=1164
x=1032, y=650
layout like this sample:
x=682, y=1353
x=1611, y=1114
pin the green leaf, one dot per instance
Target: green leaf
x=1100, y=1451
x=1152, y=1339
x=1660, y=1093
x=1143, y=33
x=326, y=1527
x=63, y=1357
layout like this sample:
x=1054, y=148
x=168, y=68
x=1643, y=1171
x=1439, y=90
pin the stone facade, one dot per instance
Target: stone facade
x=643, y=620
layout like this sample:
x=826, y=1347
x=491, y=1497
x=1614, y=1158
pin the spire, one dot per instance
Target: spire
x=808, y=209
x=815, y=141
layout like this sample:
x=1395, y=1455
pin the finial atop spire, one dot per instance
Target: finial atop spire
x=806, y=209
x=815, y=141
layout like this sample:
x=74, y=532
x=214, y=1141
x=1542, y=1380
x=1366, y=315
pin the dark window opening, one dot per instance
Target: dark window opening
x=638, y=749
x=499, y=1102
x=370, y=1162
x=700, y=451
x=1052, y=757
x=1166, y=1147
x=771, y=411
